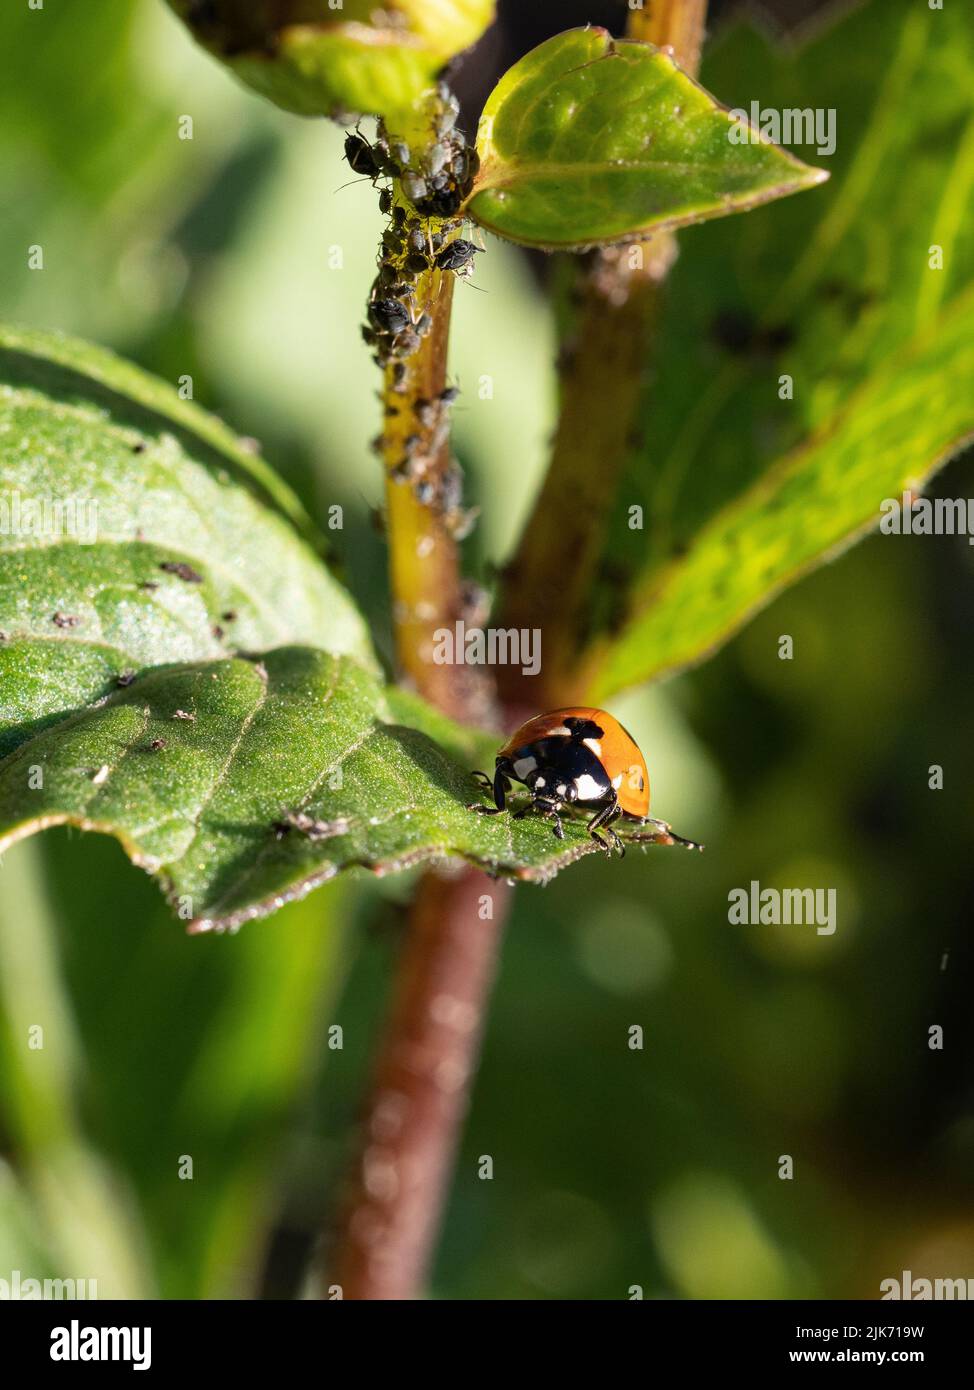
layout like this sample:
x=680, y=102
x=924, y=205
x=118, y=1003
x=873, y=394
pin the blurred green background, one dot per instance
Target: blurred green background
x=612, y=1167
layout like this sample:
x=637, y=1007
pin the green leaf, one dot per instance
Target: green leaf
x=316, y=60
x=203, y=802
x=177, y=668
x=590, y=140
x=742, y=491
x=135, y=530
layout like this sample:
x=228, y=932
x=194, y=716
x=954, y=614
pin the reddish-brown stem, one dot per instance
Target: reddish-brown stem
x=420, y=1088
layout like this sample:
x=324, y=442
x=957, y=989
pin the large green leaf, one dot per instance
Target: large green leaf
x=591, y=140
x=242, y=784
x=743, y=491
x=134, y=530
x=318, y=59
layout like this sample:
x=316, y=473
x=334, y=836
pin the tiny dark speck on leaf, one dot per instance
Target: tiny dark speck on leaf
x=229, y=616
x=157, y=744
x=182, y=571
x=149, y=584
x=218, y=632
x=138, y=448
x=65, y=620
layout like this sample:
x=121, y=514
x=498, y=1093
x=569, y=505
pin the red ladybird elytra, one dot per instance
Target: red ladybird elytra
x=578, y=757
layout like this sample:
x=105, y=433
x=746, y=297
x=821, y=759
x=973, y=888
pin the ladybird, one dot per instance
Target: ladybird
x=578, y=757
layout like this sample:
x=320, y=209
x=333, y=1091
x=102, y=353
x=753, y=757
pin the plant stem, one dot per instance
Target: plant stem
x=428, y=1051
x=420, y=1088
x=605, y=359
x=679, y=24
x=424, y=570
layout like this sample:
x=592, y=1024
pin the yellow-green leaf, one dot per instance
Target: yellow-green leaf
x=318, y=60
x=590, y=140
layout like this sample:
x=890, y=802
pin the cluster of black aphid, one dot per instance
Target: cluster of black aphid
x=438, y=180
x=421, y=235
x=422, y=228
x=438, y=488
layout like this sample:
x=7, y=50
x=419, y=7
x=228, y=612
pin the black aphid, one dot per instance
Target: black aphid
x=182, y=571
x=458, y=254
x=389, y=315
x=361, y=157
x=415, y=188
x=405, y=342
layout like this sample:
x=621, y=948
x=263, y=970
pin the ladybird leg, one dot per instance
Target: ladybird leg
x=602, y=820
x=548, y=807
x=593, y=829
x=478, y=806
x=550, y=812
x=603, y=844
x=613, y=837
x=501, y=788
